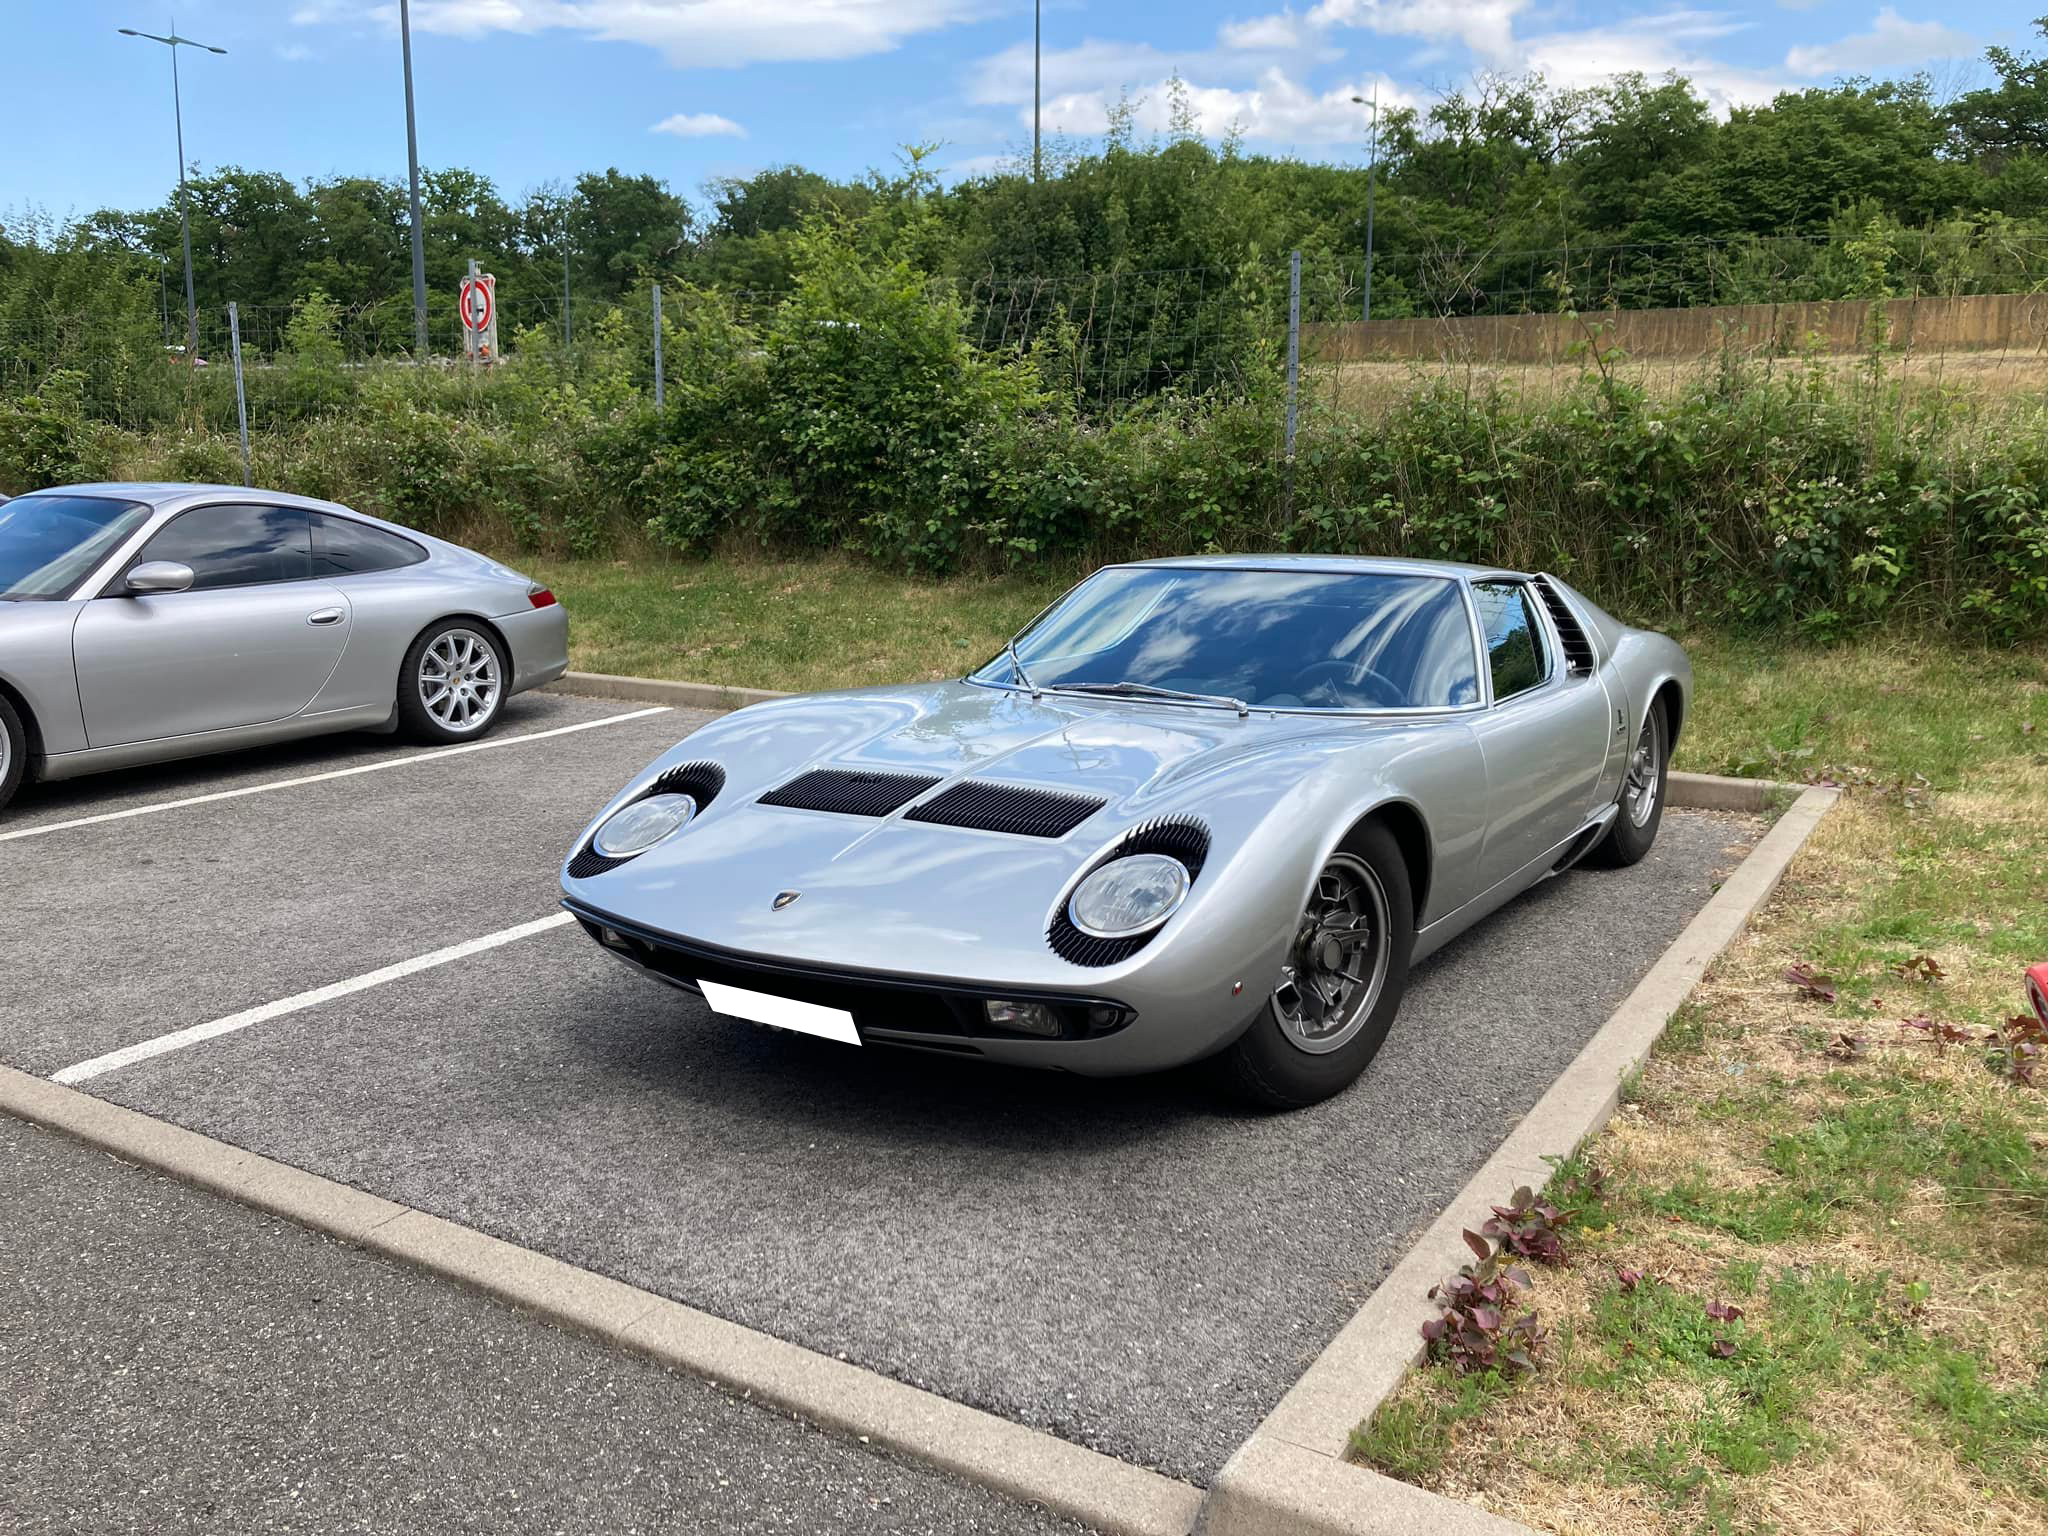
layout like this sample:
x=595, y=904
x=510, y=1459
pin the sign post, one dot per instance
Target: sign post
x=479, y=308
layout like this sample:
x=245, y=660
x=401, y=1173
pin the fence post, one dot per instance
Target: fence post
x=657, y=347
x=1293, y=368
x=241, y=400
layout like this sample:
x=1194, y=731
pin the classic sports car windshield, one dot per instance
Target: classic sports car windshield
x=48, y=544
x=1274, y=639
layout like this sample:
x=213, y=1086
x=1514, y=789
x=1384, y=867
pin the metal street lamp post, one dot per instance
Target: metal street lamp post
x=1037, y=42
x=174, y=43
x=412, y=160
x=1372, y=166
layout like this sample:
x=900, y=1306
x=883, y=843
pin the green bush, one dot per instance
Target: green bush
x=46, y=439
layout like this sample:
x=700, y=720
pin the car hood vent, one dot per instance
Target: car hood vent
x=1178, y=837
x=1011, y=808
x=700, y=781
x=850, y=791
x=1578, y=647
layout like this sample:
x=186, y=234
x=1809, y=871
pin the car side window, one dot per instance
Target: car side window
x=236, y=545
x=1515, y=649
x=344, y=547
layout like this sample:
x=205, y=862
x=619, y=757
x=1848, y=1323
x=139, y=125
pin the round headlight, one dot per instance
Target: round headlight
x=638, y=827
x=1129, y=896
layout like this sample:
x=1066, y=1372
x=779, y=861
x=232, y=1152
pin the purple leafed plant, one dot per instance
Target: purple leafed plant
x=1811, y=982
x=1529, y=1227
x=1481, y=1326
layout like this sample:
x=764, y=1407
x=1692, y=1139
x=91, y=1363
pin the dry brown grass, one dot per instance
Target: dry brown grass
x=2017, y=375
x=1839, y=1425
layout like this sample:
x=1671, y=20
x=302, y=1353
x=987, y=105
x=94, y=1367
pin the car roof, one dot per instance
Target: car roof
x=1334, y=564
x=161, y=493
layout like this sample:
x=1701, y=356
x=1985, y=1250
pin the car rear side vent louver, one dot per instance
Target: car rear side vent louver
x=700, y=781
x=1007, y=808
x=1177, y=837
x=850, y=791
x=1578, y=646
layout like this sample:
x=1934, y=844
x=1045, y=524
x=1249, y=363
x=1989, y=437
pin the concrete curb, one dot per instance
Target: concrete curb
x=1290, y=1475
x=1714, y=792
x=655, y=690
x=1109, y=1495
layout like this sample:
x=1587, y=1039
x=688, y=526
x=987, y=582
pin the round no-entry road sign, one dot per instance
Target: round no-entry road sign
x=478, y=303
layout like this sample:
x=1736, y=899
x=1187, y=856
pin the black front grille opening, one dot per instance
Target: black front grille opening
x=1013, y=808
x=1177, y=837
x=700, y=781
x=1578, y=646
x=881, y=1008
x=850, y=792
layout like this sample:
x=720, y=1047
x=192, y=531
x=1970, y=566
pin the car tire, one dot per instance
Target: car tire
x=453, y=683
x=1280, y=1062
x=13, y=752
x=1642, y=797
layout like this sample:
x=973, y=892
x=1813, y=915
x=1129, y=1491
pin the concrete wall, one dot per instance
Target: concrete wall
x=1979, y=322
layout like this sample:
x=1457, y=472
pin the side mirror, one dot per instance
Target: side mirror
x=159, y=576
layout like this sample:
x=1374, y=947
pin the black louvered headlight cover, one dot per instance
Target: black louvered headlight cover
x=1178, y=837
x=700, y=781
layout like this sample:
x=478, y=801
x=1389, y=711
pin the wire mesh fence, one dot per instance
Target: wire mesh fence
x=1974, y=318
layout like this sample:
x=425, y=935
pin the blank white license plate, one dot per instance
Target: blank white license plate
x=782, y=1012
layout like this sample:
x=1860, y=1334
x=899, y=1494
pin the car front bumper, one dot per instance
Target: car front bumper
x=1103, y=1034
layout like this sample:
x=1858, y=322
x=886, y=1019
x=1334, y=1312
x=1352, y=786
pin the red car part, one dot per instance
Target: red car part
x=2037, y=989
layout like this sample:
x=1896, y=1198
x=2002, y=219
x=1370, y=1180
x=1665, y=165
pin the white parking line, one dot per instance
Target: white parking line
x=177, y=1040
x=337, y=773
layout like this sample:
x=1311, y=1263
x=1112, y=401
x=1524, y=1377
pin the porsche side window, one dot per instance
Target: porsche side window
x=344, y=547
x=1514, y=639
x=236, y=545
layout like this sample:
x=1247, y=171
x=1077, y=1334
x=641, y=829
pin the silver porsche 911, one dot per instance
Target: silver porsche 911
x=145, y=622
x=1199, y=808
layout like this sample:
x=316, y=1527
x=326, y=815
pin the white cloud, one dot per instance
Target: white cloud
x=1487, y=27
x=1281, y=32
x=1004, y=79
x=699, y=125
x=1276, y=109
x=1892, y=43
x=701, y=33
x=1652, y=46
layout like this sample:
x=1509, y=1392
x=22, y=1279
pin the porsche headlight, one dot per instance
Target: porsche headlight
x=1129, y=896
x=638, y=827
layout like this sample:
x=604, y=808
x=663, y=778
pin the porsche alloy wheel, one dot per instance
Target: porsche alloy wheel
x=1338, y=964
x=453, y=683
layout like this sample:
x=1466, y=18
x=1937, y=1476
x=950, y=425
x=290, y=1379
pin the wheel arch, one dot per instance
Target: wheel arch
x=465, y=617
x=1670, y=697
x=30, y=726
x=1404, y=822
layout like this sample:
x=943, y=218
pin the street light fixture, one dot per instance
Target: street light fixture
x=1372, y=166
x=174, y=43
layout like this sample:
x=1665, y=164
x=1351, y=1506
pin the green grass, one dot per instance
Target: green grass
x=795, y=625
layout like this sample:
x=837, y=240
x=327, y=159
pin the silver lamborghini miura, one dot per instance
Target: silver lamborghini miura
x=1198, y=808
x=145, y=622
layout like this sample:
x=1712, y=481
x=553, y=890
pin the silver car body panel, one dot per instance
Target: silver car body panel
x=1496, y=796
x=114, y=681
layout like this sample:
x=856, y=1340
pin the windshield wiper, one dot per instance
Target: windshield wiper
x=1149, y=691
x=1017, y=667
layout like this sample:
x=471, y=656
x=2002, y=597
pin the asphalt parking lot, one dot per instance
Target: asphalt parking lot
x=1134, y=1265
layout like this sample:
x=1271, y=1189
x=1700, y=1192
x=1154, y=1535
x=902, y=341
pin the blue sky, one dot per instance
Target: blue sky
x=533, y=90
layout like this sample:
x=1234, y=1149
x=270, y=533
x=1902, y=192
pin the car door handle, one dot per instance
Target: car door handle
x=327, y=616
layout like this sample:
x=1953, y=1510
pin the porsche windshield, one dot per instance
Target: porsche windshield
x=48, y=544
x=1273, y=639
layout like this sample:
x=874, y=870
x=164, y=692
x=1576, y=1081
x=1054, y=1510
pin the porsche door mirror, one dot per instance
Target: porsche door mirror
x=159, y=576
